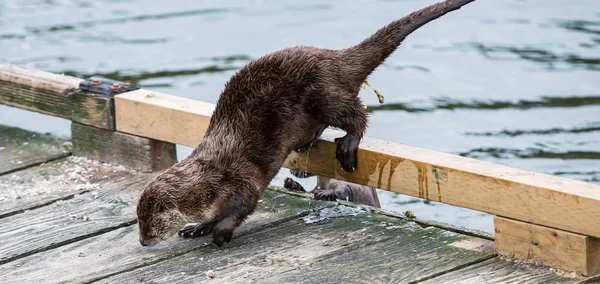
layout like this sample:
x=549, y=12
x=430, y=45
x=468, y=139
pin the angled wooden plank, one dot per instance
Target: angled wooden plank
x=119, y=250
x=556, y=248
x=20, y=149
x=53, y=94
x=107, y=208
x=499, y=271
x=532, y=197
x=140, y=153
x=57, y=180
x=377, y=245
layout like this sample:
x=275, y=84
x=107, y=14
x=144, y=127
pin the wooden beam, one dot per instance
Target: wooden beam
x=556, y=248
x=53, y=94
x=536, y=198
x=140, y=153
x=163, y=117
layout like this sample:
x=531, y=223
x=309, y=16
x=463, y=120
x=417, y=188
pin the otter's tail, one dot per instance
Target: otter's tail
x=371, y=52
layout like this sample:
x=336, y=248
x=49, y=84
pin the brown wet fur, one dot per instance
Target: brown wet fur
x=304, y=89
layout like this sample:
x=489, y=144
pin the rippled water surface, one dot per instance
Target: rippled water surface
x=512, y=82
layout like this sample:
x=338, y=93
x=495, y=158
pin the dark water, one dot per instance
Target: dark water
x=512, y=82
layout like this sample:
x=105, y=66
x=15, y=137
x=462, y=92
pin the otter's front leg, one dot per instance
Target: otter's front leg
x=196, y=230
x=237, y=212
x=223, y=231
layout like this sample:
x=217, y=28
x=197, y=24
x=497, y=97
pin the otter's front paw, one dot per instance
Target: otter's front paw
x=223, y=231
x=195, y=230
x=345, y=152
x=327, y=194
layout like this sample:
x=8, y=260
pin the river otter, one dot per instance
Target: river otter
x=248, y=138
x=332, y=189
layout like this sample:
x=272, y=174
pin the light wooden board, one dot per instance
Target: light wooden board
x=20, y=149
x=376, y=245
x=53, y=94
x=536, y=198
x=119, y=250
x=58, y=180
x=108, y=208
x=552, y=247
x=162, y=117
x=139, y=153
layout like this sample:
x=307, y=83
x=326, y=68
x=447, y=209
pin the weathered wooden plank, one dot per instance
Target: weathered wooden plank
x=140, y=153
x=119, y=250
x=385, y=246
x=20, y=149
x=63, y=222
x=499, y=271
x=58, y=180
x=536, y=198
x=53, y=94
x=556, y=248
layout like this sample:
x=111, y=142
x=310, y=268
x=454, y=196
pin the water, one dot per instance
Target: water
x=512, y=82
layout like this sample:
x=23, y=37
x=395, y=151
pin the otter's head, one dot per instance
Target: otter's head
x=158, y=212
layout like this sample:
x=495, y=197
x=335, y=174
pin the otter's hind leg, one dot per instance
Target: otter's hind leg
x=347, y=114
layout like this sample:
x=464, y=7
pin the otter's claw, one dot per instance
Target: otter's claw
x=195, y=230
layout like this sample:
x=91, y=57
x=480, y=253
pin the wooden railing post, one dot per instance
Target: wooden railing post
x=552, y=247
x=139, y=153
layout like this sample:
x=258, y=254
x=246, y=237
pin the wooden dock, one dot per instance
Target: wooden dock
x=72, y=219
x=67, y=208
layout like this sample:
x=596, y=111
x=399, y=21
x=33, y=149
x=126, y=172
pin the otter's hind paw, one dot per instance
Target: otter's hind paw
x=195, y=230
x=346, y=151
x=292, y=185
x=327, y=194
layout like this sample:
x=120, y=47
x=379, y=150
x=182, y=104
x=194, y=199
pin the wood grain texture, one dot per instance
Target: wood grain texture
x=85, y=215
x=140, y=153
x=21, y=149
x=352, y=248
x=53, y=94
x=552, y=247
x=58, y=180
x=501, y=272
x=119, y=250
x=536, y=198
